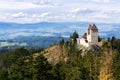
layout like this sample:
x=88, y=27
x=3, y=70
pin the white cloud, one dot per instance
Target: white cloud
x=45, y=2
x=75, y=10
x=105, y=1
x=16, y=5
x=21, y=5
x=59, y=10
x=44, y=14
x=19, y=15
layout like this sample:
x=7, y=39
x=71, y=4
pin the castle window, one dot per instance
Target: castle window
x=86, y=41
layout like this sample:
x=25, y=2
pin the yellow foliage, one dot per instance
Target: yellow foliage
x=106, y=72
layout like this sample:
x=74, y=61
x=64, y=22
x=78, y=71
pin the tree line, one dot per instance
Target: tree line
x=102, y=64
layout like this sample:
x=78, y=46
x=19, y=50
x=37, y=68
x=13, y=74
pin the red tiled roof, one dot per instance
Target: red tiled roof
x=92, y=26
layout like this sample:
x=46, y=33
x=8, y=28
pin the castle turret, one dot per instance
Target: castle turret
x=92, y=34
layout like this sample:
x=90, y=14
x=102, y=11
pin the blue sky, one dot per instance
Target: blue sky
x=31, y=11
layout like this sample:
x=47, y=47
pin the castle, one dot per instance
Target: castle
x=90, y=38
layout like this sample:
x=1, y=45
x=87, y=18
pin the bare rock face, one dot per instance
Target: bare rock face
x=94, y=48
x=55, y=54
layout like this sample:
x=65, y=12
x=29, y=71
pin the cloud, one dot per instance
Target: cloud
x=76, y=10
x=21, y=5
x=45, y=2
x=19, y=15
x=85, y=11
x=30, y=11
x=104, y=1
x=44, y=14
x=16, y=5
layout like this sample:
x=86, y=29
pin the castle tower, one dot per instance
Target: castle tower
x=90, y=38
x=92, y=34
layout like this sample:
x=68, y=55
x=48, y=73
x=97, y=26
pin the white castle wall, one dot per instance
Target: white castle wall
x=81, y=41
x=78, y=41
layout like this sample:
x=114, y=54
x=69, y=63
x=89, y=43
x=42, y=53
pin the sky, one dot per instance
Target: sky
x=32, y=11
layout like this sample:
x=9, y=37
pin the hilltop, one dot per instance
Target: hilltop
x=63, y=61
x=98, y=59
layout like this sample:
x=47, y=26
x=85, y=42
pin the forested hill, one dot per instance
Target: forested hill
x=63, y=62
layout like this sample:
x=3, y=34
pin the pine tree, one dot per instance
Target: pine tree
x=41, y=69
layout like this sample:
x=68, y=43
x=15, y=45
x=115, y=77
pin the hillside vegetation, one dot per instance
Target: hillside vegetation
x=64, y=61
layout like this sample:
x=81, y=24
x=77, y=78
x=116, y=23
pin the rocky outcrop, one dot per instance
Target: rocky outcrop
x=55, y=54
x=94, y=48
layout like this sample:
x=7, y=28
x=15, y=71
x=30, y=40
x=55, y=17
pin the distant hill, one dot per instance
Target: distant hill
x=29, y=42
x=59, y=29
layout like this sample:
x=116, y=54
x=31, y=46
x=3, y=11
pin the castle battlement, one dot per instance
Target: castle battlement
x=90, y=38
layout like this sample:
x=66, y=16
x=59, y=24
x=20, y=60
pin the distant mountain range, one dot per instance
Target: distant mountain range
x=59, y=29
x=14, y=35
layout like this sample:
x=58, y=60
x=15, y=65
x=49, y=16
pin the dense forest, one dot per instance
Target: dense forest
x=95, y=64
